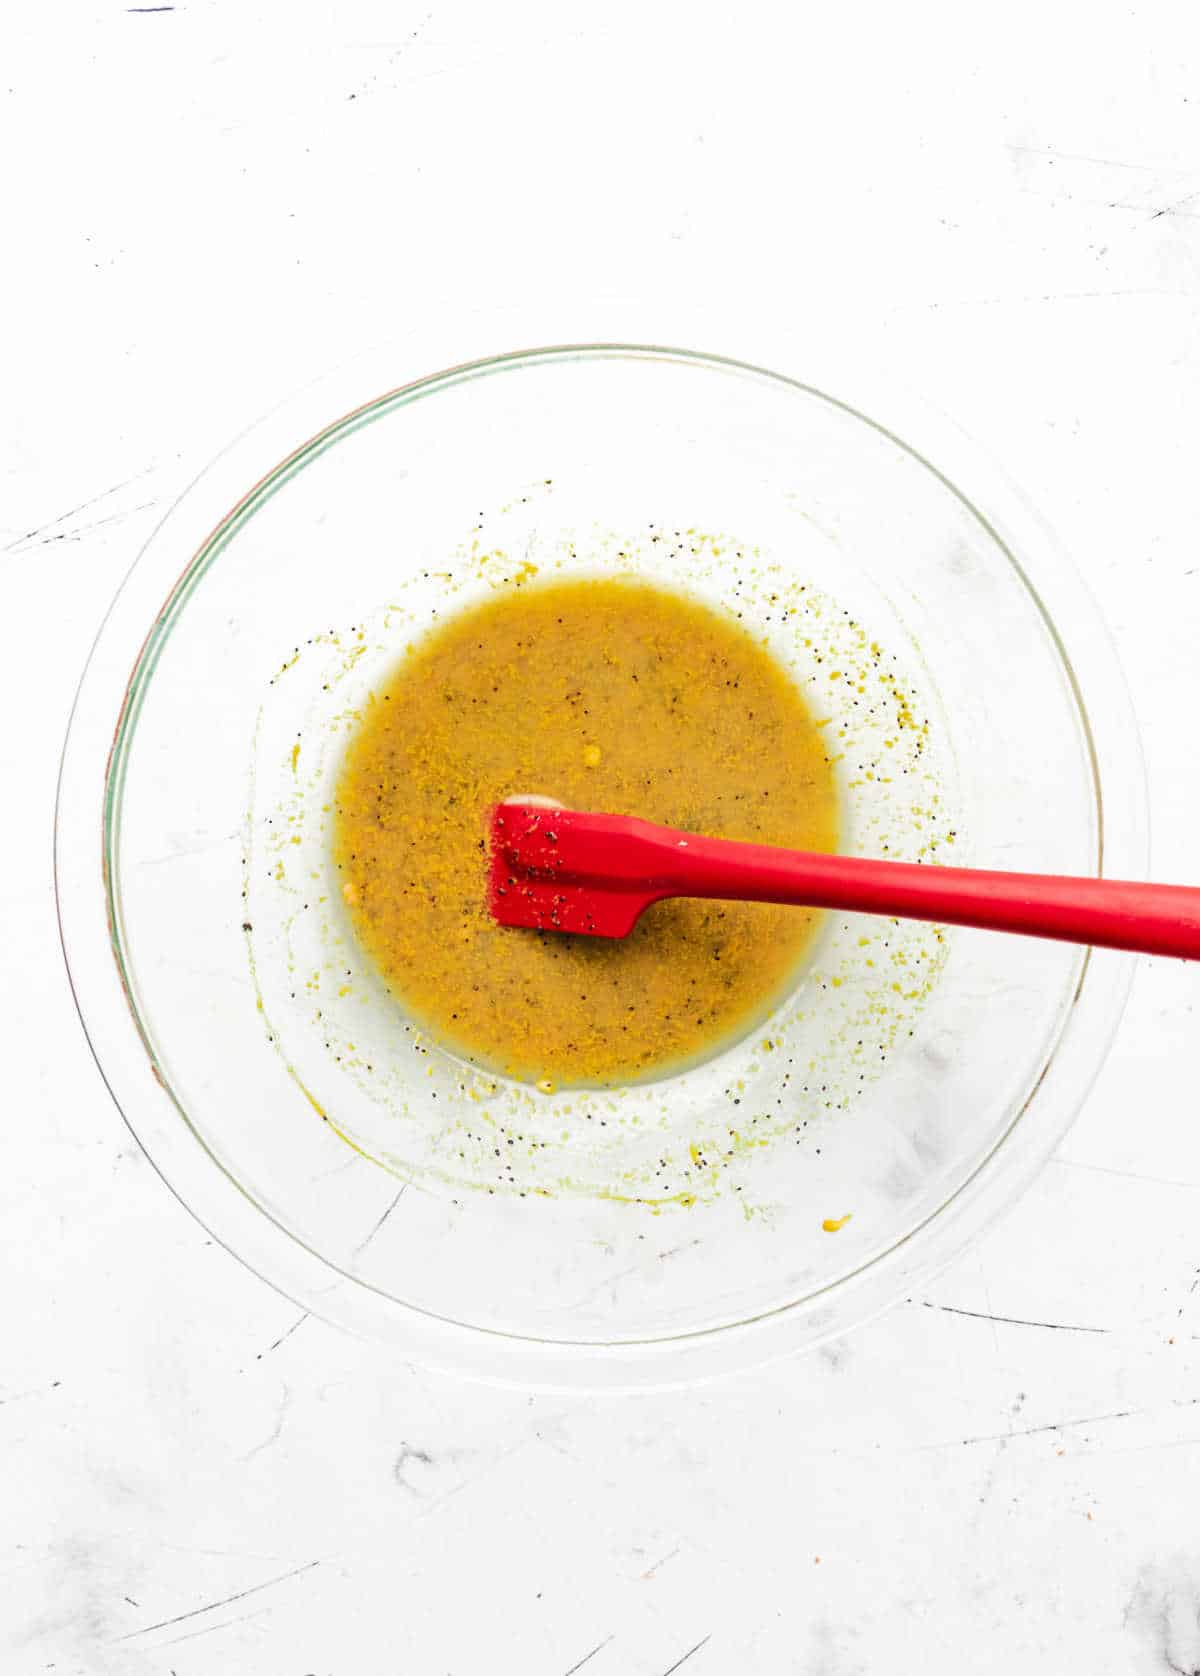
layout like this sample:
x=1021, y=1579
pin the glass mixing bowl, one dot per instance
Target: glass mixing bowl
x=754, y=1203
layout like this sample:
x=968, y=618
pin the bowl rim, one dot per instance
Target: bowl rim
x=120, y=666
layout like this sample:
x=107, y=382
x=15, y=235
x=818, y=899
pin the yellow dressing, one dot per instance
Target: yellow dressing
x=835, y=1224
x=606, y=695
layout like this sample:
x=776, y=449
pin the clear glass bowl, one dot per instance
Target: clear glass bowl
x=913, y=1081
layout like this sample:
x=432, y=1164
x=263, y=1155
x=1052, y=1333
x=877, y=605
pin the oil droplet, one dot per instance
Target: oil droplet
x=831, y=1224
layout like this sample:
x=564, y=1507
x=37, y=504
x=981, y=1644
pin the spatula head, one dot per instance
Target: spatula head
x=548, y=871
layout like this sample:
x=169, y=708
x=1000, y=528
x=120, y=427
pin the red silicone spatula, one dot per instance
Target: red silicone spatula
x=556, y=869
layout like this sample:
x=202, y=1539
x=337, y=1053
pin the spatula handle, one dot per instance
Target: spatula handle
x=1108, y=913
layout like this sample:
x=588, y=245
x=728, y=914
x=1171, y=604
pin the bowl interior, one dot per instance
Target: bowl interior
x=697, y=1202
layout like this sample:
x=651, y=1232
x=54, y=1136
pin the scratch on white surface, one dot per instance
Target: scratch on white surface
x=211, y=1629
x=653, y=1570
x=1172, y=209
x=992, y=1471
x=362, y=1246
x=1154, y=1447
x=277, y=1428
x=212, y=1605
x=1124, y=1175
x=614, y=1280
x=1049, y=1426
x=40, y=532
x=282, y=1337
x=1090, y=189
x=78, y=533
x=1013, y=1320
x=485, y=1471
x=991, y=1314
x=1082, y=157
x=34, y=1391
x=186, y=851
x=396, y=51
x=688, y=1654
x=338, y=1169
x=192, y=1551
x=1040, y=297
x=598, y=1648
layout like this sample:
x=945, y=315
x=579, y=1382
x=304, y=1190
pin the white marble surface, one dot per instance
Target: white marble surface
x=205, y=204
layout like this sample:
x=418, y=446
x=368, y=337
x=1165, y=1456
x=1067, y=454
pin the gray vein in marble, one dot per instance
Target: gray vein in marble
x=1164, y=1608
x=399, y=1470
